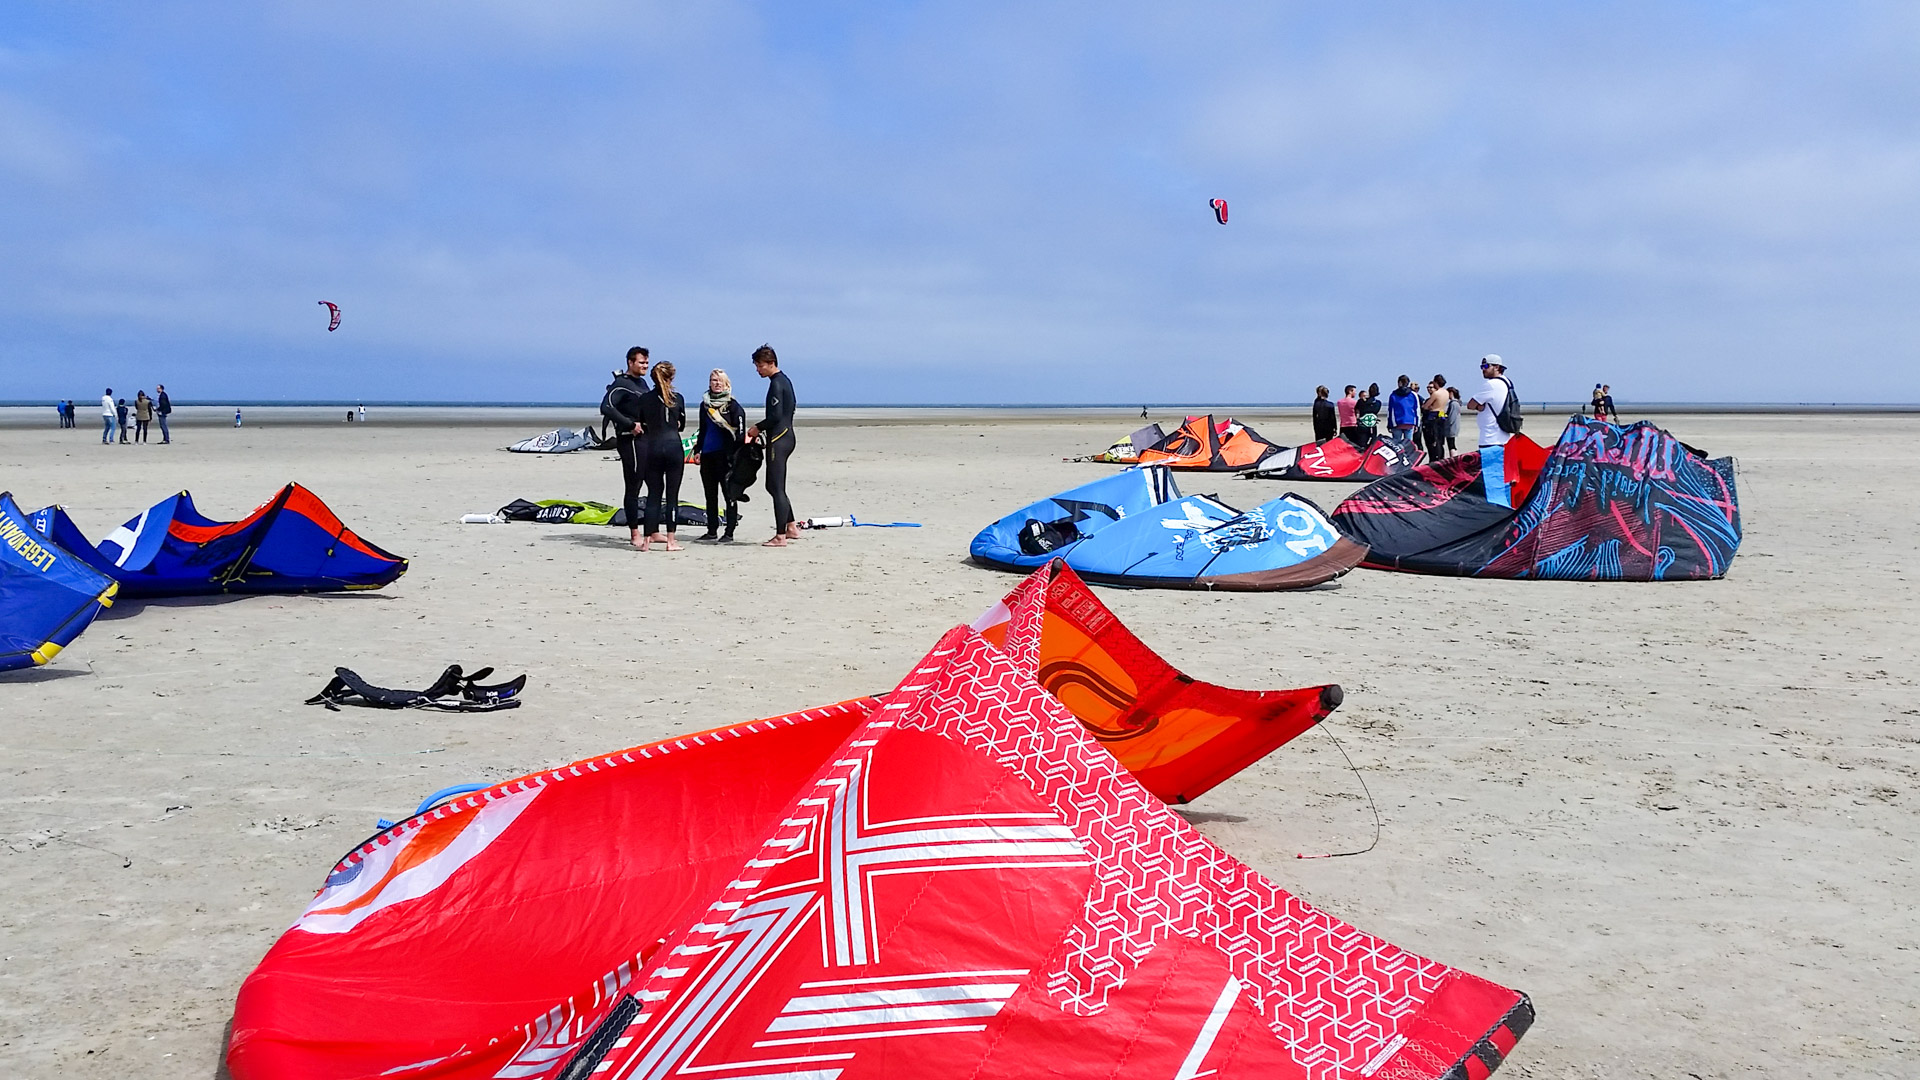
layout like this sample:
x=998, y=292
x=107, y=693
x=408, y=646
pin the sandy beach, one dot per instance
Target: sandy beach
x=1680, y=817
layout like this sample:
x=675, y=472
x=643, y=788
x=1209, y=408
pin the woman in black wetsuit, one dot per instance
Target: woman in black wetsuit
x=723, y=424
x=621, y=407
x=1326, y=422
x=663, y=416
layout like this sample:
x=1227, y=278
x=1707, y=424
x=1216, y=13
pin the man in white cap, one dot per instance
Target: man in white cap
x=1490, y=398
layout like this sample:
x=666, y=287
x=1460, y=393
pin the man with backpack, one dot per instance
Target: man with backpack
x=1496, y=403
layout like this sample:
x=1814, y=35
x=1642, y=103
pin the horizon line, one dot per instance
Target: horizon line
x=1197, y=407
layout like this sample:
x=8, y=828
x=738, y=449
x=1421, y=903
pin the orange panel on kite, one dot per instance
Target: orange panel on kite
x=1201, y=443
x=1177, y=735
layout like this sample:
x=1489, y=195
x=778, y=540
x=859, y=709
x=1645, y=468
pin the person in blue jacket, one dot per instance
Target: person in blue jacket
x=1403, y=413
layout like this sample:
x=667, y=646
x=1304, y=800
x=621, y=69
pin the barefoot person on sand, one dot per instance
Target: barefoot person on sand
x=663, y=416
x=621, y=405
x=776, y=431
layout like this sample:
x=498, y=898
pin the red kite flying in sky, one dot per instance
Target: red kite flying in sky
x=333, y=311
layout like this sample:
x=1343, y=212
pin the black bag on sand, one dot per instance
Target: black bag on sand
x=452, y=691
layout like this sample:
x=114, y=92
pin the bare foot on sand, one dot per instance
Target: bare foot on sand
x=779, y=540
x=672, y=544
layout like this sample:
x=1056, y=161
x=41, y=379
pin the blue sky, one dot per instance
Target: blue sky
x=967, y=202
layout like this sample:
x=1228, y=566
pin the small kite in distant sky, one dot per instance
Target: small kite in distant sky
x=333, y=311
x=1219, y=210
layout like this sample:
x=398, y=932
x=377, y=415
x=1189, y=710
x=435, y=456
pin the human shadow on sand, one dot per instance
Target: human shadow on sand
x=595, y=540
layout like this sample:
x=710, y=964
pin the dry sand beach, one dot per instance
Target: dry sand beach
x=1679, y=816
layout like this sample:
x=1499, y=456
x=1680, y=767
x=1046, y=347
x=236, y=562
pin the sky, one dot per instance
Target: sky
x=973, y=202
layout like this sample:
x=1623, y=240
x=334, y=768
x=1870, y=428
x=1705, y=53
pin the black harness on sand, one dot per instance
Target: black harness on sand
x=452, y=692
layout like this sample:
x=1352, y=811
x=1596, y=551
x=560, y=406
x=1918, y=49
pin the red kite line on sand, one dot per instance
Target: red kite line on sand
x=1219, y=210
x=333, y=313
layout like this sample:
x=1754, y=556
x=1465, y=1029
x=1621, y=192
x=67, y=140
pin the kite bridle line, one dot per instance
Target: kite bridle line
x=1371, y=805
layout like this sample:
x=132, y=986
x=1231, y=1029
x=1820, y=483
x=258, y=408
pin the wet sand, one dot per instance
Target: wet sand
x=1680, y=817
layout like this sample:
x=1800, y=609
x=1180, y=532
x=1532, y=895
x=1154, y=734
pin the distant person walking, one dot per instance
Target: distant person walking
x=1453, y=419
x=621, y=405
x=107, y=413
x=1326, y=418
x=142, y=416
x=1606, y=402
x=60, y=412
x=663, y=416
x=1490, y=399
x=120, y=413
x=236, y=417
x=723, y=427
x=1599, y=405
x=163, y=408
x=363, y=414
x=775, y=431
x=1433, y=417
x=1347, y=411
x=1403, y=414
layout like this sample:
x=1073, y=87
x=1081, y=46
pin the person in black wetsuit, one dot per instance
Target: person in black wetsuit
x=723, y=426
x=663, y=416
x=621, y=407
x=776, y=432
x=1326, y=421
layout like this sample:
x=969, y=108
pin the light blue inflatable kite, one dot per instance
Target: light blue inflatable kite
x=1135, y=528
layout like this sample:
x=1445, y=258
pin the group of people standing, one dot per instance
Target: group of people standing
x=114, y=414
x=650, y=417
x=1412, y=420
x=1426, y=419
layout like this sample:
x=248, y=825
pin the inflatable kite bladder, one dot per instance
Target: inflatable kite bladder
x=953, y=881
x=557, y=441
x=47, y=595
x=1606, y=503
x=1339, y=459
x=291, y=543
x=1135, y=528
x=1203, y=444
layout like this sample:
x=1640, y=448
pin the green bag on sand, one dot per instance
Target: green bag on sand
x=578, y=512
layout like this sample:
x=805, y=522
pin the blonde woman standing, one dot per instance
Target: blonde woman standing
x=723, y=426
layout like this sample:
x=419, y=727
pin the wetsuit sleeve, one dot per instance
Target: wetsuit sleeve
x=679, y=413
x=615, y=405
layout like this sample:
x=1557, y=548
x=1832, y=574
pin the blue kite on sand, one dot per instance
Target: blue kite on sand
x=291, y=543
x=47, y=595
x=1135, y=528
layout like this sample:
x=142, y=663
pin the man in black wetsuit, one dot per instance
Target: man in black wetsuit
x=776, y=433
x=622, y=407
